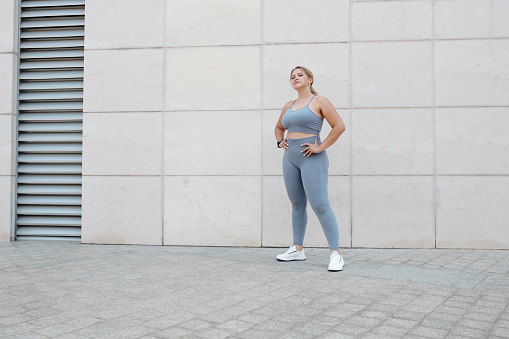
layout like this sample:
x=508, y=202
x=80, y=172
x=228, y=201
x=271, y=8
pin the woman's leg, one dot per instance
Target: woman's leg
x=297, y=196
x=315, y=177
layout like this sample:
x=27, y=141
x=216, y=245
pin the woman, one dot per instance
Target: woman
x=305, y=163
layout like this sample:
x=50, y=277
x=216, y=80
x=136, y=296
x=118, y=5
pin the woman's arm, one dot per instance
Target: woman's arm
x=279, y=130
x=334, y=120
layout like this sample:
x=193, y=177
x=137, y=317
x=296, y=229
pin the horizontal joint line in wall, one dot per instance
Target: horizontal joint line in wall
x=182, y=110
x=273, y=108
x=389, y=107
x=172, y=175
x=431, y=39
x=501, y=106
x=137, y=111
x=472, y=175
x=430, y=175
x=122, y=175
x=281, y=175
x=205, y=46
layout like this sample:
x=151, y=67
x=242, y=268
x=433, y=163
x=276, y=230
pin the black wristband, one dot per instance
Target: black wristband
x=279, y=143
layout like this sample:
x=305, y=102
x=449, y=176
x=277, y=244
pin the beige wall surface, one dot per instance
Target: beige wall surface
x=8, y=96
x=181, y=98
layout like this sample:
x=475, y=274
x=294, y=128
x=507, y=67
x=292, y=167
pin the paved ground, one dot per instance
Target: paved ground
x=69, y=290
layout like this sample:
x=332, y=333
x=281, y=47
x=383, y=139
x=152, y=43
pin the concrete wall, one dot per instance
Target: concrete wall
x=181, y=98
x=8, y=105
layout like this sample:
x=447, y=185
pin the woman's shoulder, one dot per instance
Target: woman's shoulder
x=321, y=98
x=323, y=101
x=287, y=105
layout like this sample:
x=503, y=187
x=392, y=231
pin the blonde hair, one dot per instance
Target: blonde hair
x=309, y=74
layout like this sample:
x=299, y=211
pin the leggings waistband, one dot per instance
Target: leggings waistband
x=295, y=144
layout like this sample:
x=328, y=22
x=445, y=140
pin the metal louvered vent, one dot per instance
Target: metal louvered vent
x=50, y=120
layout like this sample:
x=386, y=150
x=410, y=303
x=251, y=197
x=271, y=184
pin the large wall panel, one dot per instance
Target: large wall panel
x=472, y=212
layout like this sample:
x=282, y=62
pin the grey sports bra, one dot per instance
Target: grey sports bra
x=302, y=120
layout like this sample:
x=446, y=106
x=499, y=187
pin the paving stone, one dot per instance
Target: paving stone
x=19, y=328
x=375, y=314
x=339, y=314
x=83, y=321
x=437, y=323
x=173, y=332
x=469, y=332
x=378, y=336
x=7, y=311
x=363, y=321
x=496, y=298
x=14, y=319
x=352, y=307
x=195, y=324
x=254, y=318
x=457, y=304
x=451, y=310
x=336, y=335
x=50, y=320
x=235, y=326
x=315, y=327
x=488, y=310
x=385, y=307
x=274, y=325
x=55, y=330
x=96, y=331
x=214, y=333
x=463, y=299
x=400, y=323
x=502, y=323
x=429, y=332
x=444, y=316
x=481, y=325
x=350, y=329
x=409, y=315
x=292, y=317
x=257, y=334
x=391, y=331
x=394, y=301
x=441, y=292
x=132, y=332
x=491, y=304
x=500, y=332
x=29, y=335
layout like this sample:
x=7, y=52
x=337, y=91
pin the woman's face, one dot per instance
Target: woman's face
x=299, y=79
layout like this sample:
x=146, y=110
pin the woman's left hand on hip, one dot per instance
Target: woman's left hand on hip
x=310, y=149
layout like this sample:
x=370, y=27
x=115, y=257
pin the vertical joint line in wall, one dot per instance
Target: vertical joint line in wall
x=15, y=125
x=261, y=123
x=351, y=117
x=163, y=124
x=434, y=119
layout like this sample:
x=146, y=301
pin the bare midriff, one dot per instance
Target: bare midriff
x=298, y=135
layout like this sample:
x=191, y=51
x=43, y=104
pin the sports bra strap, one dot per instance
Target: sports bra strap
x=306, y=105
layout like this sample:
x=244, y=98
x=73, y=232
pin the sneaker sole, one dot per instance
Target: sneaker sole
x=290, y=260
x=335, y=270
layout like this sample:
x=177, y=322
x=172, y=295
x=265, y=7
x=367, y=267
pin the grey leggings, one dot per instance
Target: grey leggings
x=306, y=179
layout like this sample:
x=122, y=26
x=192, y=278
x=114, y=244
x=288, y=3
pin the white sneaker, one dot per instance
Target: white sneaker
x=292, y=254
x=336, y=262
